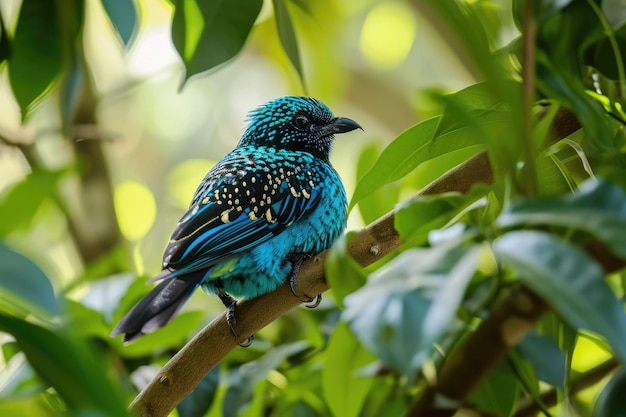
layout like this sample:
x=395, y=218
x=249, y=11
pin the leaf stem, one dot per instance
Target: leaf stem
x=529, y=34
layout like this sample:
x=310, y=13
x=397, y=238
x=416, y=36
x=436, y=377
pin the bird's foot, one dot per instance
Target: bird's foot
x=230, y=304
x=297, y=259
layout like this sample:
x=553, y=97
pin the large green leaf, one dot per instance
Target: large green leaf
x=408, y=304
x=473, y=117
x=209, y=33
x=24, y=285
x=569, y=280
x=69, y=365
x=123, y=17
x=287, y=36
x=599, y=208
x=345, y=391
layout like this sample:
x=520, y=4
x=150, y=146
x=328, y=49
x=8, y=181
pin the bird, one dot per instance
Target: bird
x=269, y=204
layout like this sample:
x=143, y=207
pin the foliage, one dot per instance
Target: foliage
x=390, y=327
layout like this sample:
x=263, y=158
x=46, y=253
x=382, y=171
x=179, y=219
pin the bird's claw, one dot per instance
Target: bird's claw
x=293, y=281
x=230, y=304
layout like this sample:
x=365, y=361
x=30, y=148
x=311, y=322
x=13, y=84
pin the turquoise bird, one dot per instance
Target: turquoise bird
x=272, y=202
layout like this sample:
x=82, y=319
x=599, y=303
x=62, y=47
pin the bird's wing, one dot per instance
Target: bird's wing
x=236, y=212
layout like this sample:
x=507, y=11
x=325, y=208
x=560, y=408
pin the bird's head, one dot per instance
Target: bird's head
x=298, y=123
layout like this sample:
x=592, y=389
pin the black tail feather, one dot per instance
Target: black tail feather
x=157, y=308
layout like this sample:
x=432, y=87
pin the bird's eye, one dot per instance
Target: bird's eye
x=301, y=121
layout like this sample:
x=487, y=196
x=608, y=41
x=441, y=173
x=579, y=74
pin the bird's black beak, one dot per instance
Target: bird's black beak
x=339, y=125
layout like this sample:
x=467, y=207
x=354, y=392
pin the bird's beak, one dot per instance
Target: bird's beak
x=339, y=125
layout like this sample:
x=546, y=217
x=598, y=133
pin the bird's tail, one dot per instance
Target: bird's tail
x=158, y=307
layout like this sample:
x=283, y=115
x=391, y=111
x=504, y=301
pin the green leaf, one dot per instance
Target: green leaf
x=5, y=42
x=545, y=356
x=43, y=41
x=396, y=160
x=383, y=199
x=22, y=201
x=473, y=117
x=67, y=364
x=25, y=285
x=37, y=51
x=172, y=336
x=209, y=33
x=568, y=279
x=599, y=208
x=415, y=218
x=602, y=56
x=343, y=274
x=244, y=380
x=611, y=400
x=418, y=144
x=201, y=398
x=123, y=17
x=345, y=391
x=287, y=36
x=497, y=394
x=18, y=380
x=408, y=304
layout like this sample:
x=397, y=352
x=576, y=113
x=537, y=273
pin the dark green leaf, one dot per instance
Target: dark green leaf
x=22, y=201
x=602, y=56
x=43, y=40
x=611, y=400
x=497, y=394
x=25, y=285
x=599, y=208
x=568, y=279
x=288, y=36
x=343, y=274
x=345, y=391
x=526, y=376
x=123, y=16
x=201, y=398
x=66, y=363
x=5, y=43
x=545, y=356
x=37, y=51
x=209, y=33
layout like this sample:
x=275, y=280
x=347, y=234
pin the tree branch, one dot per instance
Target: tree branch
x=185, y=370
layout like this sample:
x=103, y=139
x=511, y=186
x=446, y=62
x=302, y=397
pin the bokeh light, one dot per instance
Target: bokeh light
x=387, y=35
x=135, y=208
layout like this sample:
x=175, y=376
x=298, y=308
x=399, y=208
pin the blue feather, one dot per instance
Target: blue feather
x=274, y=196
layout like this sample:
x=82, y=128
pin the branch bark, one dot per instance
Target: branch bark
x=185, y=370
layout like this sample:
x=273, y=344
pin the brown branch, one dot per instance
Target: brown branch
x=185, y=370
